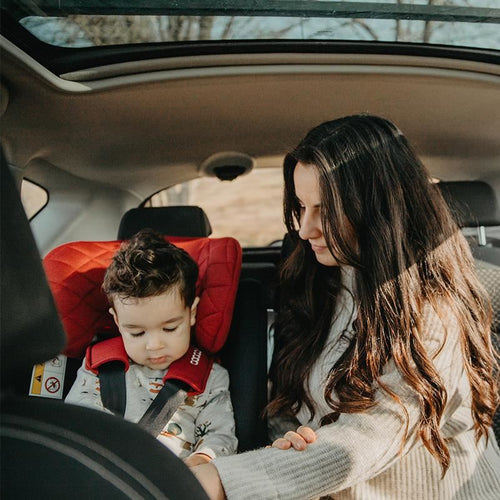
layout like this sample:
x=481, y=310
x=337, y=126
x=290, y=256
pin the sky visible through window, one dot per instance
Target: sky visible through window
x=81, y=30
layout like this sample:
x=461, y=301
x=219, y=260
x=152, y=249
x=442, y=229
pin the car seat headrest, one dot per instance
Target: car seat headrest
x=76, y=271
x=189, y=221
x=473, y=203
x=30, y=328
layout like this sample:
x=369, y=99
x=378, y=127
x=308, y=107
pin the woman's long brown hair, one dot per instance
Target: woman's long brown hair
x=409, y=253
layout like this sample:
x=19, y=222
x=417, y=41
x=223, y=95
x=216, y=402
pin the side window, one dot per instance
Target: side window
x=249, y=208
x=33, y=197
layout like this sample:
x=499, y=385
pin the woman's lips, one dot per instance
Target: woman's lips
x=318, y=248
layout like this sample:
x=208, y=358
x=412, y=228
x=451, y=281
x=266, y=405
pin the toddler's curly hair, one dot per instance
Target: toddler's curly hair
x=148, y=265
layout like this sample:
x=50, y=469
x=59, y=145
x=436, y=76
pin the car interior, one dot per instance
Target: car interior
x=108, y=127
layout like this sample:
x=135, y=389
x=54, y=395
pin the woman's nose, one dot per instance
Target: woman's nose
x=310, y=227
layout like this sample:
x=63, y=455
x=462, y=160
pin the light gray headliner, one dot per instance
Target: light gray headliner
x=141, y=131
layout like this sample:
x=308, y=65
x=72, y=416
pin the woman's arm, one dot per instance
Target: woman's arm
x=354, y=449
x=208, y=477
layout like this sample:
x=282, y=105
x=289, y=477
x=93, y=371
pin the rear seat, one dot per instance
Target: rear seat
x=245, y=352
x=474, y=205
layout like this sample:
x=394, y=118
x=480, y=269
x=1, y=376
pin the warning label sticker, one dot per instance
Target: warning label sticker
x=47, y=379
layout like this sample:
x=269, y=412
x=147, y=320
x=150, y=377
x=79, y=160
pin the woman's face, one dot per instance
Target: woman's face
x=305, y=178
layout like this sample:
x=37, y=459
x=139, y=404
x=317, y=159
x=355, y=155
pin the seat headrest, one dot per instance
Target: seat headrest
x=30, y=328
x=76, y=271
x=189, y=221
x=473, y=203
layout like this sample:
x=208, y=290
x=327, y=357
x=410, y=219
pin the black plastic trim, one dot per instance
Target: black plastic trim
x=273, y=8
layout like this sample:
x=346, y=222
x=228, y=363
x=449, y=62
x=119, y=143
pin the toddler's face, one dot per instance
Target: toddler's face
x=156, y=330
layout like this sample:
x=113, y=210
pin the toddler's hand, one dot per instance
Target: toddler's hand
x=299, y=439
x=197, y=459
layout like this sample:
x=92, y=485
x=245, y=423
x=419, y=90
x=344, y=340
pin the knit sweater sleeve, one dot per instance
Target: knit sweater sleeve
x=355, y=448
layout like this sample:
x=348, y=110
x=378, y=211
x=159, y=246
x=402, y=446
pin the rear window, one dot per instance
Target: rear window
x=249, y=208
x=33, y=197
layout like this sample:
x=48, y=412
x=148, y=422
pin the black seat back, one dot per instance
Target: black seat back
x=245, y=357
x=174, y=221
x=50, y=449
x=27, y=304
x=473, y=202
x=474, y=205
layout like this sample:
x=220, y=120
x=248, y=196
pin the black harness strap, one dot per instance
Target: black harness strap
x=161, y=409
x=112, y=385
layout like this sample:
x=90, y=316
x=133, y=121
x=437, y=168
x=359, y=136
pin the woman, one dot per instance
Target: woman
x=383, y=337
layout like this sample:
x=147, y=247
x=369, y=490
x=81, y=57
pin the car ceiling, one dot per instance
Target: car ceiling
x=143, y=125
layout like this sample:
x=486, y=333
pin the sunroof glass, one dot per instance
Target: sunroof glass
x=470, y=23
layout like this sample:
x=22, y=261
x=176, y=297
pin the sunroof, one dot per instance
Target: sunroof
x=81, y=23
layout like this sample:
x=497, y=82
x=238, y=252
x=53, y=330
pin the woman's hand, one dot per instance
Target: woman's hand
x=197, y=459
x=298, y=440
x=208, y=477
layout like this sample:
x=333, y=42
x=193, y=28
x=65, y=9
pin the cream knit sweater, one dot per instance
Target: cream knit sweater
x=359, y=456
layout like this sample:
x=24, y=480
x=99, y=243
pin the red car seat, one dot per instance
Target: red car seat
x=75, y=272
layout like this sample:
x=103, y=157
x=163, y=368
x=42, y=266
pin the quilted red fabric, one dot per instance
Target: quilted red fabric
x=75, y=272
